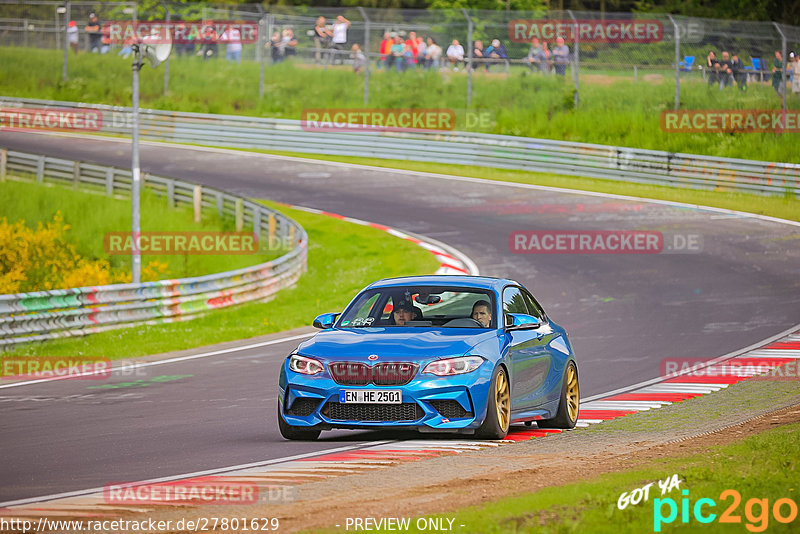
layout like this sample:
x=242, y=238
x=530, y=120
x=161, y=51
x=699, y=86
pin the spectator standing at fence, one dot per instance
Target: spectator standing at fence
x=433, y=54
x=777, y=73
x=411, y=49
x=321, y=36
x=127, y=48
x=712, y=68
x=396, y=52
x=95, y=34
x=535, y=55
x=545, y=65
x=105, y=40
x=421, y=48
x=232, y=38
x=289, y=43
x=339, y=38
x=276, y=47
x=739, y=74
x=72, y=35
x=794, y=65
x=495, y=53
x=358, y=57
x=478, y=52
x=385, y=50
x=455, y=54
x=561, y=57
x=725, y=71
x=209, y=46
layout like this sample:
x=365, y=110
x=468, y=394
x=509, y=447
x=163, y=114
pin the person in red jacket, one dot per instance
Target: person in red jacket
x=385, y=49
x=411, y=50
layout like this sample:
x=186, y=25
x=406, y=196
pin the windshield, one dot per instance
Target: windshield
x=422, y=307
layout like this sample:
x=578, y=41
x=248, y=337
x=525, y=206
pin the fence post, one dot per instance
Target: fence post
x=3, y=164
x=469, y=55
x=67, y=17
x=262, y=28
x=677, y=62
x=783, y=69
x=25, y=33
x=170, y=194
x=575, y=57
x=40, y=169
x=110, y=182
x=76, y=174
x=166, y=62
x=197, y=201
x=366, y=53
x=58, y=33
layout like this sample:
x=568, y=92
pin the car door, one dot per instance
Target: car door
x=530, y=360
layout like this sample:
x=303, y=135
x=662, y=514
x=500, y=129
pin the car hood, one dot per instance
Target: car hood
x=394, y=343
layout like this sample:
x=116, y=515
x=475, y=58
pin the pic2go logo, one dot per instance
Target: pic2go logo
x=756, y=511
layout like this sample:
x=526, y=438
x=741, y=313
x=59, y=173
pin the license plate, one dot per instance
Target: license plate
x=370, y=396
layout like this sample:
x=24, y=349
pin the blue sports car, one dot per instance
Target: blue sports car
x=467, y=354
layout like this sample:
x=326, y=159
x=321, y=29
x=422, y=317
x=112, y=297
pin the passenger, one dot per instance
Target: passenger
x=405, y=311
x=482, y=312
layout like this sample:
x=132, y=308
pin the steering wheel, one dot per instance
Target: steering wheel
x=464, y=322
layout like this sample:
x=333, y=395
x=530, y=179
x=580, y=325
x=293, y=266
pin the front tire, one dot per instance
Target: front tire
x=295, y=432
x=568, y=406
x=498, y=408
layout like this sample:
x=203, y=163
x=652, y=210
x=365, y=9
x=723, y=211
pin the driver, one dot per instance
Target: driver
x=405, y=311
x=482, y=312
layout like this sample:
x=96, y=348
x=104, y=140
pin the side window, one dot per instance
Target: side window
x=513, y=302
x=533, y=307
x=363, y=317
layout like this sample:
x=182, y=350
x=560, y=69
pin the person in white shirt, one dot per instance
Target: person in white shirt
x=339, y=40
x=72, y=35
x=233, y=37
x=455, y=54
x=432, y=54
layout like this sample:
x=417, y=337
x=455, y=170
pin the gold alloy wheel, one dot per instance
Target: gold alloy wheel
x=573, y=396
x=502, y=401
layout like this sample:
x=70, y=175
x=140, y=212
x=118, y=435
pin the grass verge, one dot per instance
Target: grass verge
x=784, y=207
x=614, y=110
x=342, y=258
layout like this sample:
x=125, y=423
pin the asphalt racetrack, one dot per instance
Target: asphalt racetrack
x=625, y=313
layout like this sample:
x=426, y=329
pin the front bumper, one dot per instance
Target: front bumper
x=429, y=402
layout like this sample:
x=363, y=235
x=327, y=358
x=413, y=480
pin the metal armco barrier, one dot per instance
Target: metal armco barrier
x=484, y=150
x=43, y=315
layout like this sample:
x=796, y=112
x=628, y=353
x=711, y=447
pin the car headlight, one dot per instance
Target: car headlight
x=453, y=366
x=304, y=365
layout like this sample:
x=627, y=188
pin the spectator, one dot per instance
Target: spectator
x=777, y=73
x=478, y=52
x=396, y=53
x=455, y=54
x=410, y=53
x=712, y=68
x=385, y=50
x=536, y=55
x=433, y=54
x=95, y=34
x=725, y=71
x=359, y=59
x=795, y=68
x=72, y=35
x=339, y=38
x=495, y=53
x=209, y=46
x=739, y=74
x=186, y=43
x=276, y=47
x=233, y=39
x=289, y=43
x=321, y=36
x=421, y=47
x=561, y=57
x=127, y=48
x=545, y=65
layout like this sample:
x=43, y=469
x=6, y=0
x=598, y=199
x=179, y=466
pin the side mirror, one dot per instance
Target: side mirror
x=523, y=321
x=325, y=320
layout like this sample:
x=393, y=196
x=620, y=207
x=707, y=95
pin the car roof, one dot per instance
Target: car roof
x=482, y=282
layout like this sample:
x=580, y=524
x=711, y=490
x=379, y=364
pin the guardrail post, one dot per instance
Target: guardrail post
x=677, y=62
x=271, y=235
x=76, y=174
x=220, y=204
x=284, y=233
x=3, y=164
x=197, y=198
x=170, y=194
x=110, y=182
x=257, y=222
x=40, y=169
x=239, y=215
x=291, y=238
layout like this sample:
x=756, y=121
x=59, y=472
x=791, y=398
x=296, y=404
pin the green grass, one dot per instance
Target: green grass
x=342, y=258
x=614, y=110
x=785, y=207
x=763, y=466
x=90, y=216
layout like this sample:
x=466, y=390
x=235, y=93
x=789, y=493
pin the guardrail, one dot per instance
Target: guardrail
x=464, y=148
x=43, y=315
